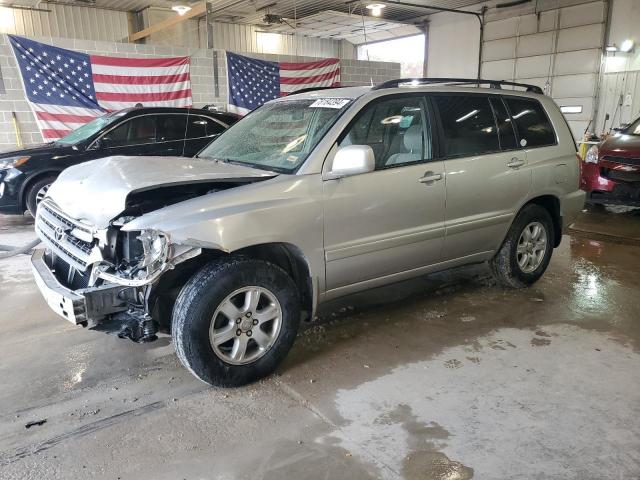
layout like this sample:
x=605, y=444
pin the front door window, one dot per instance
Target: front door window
x=137, y=131
x=394, y=129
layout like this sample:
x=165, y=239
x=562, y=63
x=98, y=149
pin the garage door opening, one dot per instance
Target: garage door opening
x=408, y=51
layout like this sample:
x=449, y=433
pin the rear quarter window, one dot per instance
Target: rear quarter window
x=532, y=124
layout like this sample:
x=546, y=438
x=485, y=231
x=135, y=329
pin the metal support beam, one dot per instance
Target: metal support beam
x=196, y=11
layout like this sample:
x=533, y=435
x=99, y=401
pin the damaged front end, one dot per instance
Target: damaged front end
x=99, y=270
x=103, y=278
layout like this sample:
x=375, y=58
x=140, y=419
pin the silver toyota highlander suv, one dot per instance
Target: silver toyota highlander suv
x=310, y=197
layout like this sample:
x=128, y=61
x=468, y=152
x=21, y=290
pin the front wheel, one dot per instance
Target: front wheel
x=37, y=192
x=526, y=252
x=235, y=320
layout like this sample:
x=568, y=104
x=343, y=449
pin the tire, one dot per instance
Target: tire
x=505, y=265
x=32, y=199
x=209, y=290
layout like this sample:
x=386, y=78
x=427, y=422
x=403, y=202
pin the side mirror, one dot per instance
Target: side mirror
x=352, y=160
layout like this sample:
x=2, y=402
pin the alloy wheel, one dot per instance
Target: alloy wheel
x=532, y=246
x=42, y=193
x=245, y=325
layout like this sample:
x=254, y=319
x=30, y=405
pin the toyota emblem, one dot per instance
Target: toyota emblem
x=59, y=233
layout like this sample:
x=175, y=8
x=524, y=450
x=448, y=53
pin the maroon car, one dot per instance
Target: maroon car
x=611, y=170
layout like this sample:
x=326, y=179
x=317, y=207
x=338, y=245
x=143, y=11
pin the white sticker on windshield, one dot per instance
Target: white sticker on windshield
x=330, y=103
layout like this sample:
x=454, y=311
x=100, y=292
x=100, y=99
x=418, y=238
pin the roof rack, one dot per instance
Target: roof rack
x=457, y=81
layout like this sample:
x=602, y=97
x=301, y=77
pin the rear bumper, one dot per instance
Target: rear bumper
x=570, y=207
x=87, y=306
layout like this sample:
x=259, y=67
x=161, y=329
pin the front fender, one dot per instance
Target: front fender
x=29, y=178
x=285, y=209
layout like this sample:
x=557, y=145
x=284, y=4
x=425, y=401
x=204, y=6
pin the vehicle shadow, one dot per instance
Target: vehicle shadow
x=404, y=309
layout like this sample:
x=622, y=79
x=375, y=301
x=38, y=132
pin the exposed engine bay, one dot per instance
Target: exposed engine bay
x=145, y=201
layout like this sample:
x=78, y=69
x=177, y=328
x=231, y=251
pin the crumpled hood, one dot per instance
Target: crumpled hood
x=97, y=191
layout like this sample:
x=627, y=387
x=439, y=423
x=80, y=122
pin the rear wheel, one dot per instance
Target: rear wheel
x=526, y=252
x=235, y=320
x=36, y=193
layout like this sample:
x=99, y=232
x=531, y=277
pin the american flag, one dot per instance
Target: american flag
x=67, y=89
x=253, y=82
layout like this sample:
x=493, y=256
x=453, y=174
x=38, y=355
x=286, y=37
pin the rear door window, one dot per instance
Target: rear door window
x=506, y=133
x=468, y=125
x=202, y=127
x=532, y=124
x=171, y=127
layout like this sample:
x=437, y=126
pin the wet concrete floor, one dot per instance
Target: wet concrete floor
x=446, y=377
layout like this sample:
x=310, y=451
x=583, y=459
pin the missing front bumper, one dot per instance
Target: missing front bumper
x=87, y=306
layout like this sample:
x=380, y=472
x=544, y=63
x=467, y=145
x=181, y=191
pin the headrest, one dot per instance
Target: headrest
x=413, y=139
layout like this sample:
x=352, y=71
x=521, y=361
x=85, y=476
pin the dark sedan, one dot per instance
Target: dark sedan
x=25, y=175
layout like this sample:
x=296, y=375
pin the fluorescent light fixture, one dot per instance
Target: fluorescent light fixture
x=376, y=8
x=6, y=19
x=627, y=45
x=468, y=115
x=571, y=108
x=181, y=9
x=611, y=48
x=395, y=119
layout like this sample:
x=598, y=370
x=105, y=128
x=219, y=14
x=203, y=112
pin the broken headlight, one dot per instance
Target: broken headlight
x=140, y=257
x=155, y=250
x=143, y=253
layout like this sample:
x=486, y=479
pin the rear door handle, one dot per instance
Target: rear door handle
x=430, y=177
x=515, y=162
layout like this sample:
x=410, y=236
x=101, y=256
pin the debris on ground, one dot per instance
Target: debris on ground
x=91, y=412
x=36, y=423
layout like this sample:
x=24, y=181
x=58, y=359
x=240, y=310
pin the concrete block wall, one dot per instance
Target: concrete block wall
x=353, y=72
x=361, y=72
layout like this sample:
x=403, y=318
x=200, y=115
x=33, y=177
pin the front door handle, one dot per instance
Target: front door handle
x=430, y=177
x=515, y=162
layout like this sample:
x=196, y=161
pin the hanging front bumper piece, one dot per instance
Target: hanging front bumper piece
x=86, y=306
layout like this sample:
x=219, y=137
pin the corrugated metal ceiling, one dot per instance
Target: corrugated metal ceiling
x=252, y=12
x=243, y=7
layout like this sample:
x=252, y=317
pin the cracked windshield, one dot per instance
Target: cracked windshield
x=277, y=136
